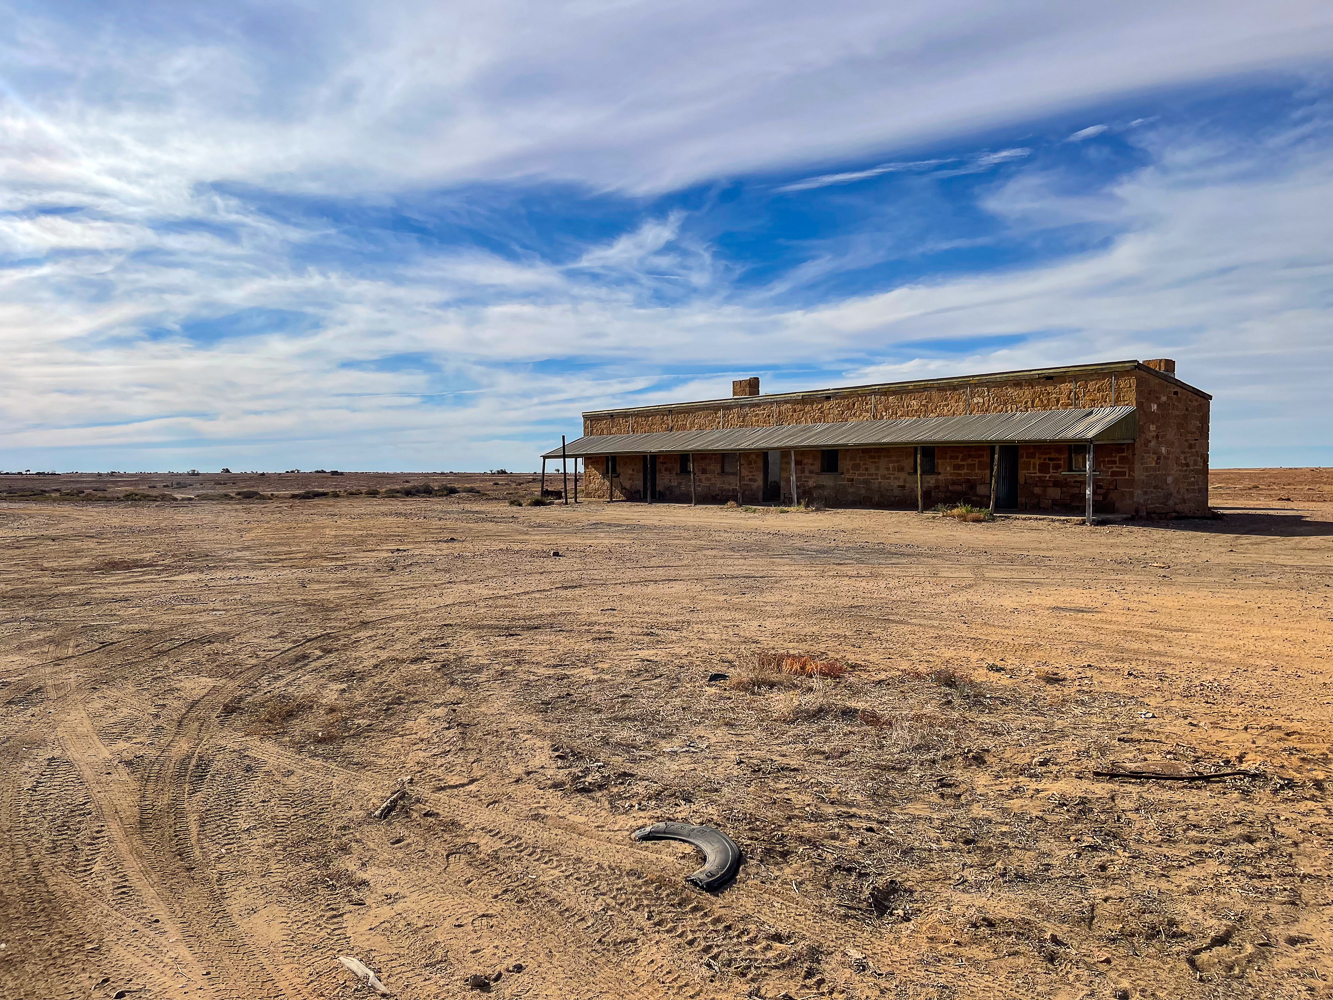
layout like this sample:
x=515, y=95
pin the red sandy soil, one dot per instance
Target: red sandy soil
x=201, y=703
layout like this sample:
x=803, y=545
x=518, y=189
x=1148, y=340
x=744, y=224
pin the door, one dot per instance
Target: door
x=652, y=477
x=1006, y=486
x=772, y=476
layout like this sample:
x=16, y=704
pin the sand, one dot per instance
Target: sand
x=202, y=702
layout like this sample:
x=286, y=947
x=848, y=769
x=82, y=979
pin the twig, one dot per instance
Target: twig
x=390, y=804
x=1163, y=776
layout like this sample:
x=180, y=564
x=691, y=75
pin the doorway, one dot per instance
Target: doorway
x=650, y=487
x=772, y=476
x=1006, y=485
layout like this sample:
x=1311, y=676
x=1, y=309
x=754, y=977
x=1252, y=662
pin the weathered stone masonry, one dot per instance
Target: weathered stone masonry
x=1163, y=471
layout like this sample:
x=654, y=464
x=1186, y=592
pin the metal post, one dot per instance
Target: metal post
x=994, y=474
x=542, y=491
x=794, y=501
x=1088, y=516
x=564, y=470
x=693, y=496
x=920, y=503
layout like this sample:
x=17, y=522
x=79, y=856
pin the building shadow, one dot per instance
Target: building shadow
x=1255, y=521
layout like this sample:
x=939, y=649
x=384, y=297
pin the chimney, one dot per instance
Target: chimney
x=745, y=386
x=1165, y=365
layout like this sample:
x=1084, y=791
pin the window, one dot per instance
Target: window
x=730, y=463
x=828, y=460
x=684, y=465
x=927, y=462
x=612, y=467
x=1078, y=458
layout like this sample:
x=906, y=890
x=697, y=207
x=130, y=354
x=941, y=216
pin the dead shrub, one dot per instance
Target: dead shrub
x=783, y=670
x=277, y=714
x=1048, y=676
x=802, y=666
x=811, y=706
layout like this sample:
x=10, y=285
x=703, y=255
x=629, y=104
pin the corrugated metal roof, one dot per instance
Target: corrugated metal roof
x=1106, y=424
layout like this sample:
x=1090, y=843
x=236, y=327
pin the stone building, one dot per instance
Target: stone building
x=1023, y=437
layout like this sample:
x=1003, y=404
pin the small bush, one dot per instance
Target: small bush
x=965, y=512
x=372, y=492
x=516, y=503
x=310, y=494
x=802, y=666
x=249, y=494
x=539, y=502
x=785, y=670
x=468, y=489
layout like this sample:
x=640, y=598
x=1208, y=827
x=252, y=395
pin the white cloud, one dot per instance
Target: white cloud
x=137, y=124
x=1219, y=263
x=1088, y=133
x=635, y=95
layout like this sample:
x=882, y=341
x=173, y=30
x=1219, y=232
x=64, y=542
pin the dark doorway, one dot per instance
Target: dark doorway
x=772, y=476
x=1006, y=486
x=652, y=478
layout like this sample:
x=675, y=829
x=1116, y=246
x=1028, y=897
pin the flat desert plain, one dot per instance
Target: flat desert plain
x=202, y=702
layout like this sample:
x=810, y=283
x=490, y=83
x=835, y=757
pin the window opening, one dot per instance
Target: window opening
x=927, y=461
x=828, y=460
x=1078, y=458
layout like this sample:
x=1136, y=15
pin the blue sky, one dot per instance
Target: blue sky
x=427, y=236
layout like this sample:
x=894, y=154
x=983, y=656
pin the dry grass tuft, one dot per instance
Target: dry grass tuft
x=783, y=670
x=965, y=512
x=802, y=666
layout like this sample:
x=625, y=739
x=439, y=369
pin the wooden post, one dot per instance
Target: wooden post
x=1088, y=515
x=994, y=474
x=564, y=470
x=693, y=496
x=576, y=477
x=920, y=503
x=542, y=491
x=794, y=501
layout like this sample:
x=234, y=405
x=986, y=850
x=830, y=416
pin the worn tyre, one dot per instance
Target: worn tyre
x=722, y=858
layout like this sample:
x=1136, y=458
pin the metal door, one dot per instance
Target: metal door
x=1006, y=486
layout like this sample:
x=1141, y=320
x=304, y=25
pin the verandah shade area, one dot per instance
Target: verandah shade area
x=877, y=463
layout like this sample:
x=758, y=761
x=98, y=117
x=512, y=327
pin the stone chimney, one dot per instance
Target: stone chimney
x=1165, y=365
x=748, y=386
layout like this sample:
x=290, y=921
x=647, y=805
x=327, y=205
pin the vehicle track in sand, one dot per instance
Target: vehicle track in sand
x=190, y=752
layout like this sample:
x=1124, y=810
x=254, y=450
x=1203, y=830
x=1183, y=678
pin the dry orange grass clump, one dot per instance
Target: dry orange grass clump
x=801, y=666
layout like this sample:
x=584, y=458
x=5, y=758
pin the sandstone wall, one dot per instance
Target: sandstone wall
x=1171, y=458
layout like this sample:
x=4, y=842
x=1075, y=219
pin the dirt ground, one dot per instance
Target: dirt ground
x=201, y=703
